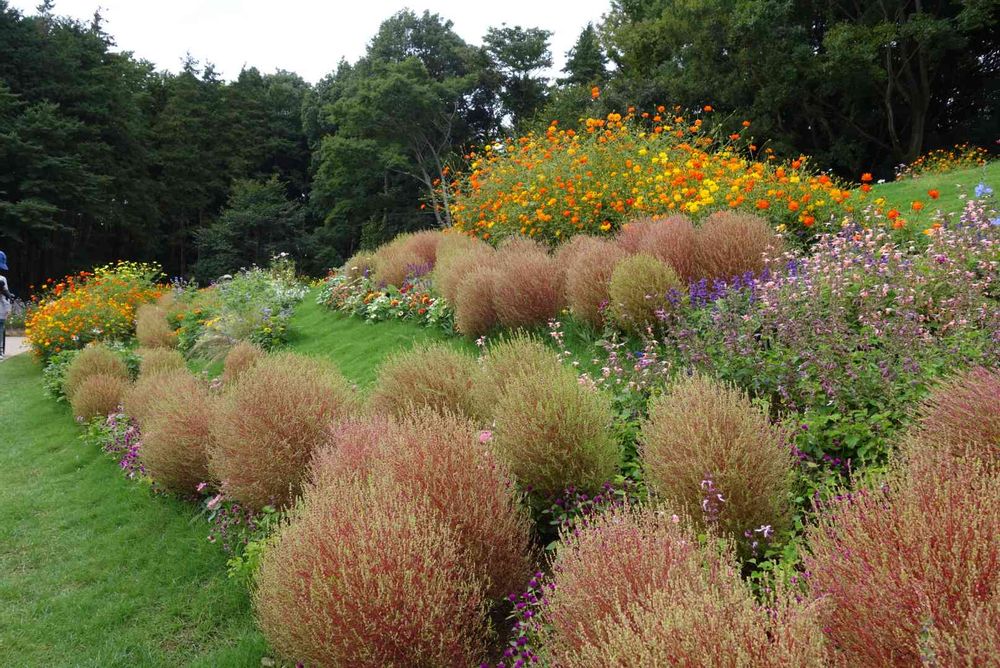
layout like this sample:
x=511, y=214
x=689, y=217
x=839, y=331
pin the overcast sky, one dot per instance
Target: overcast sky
x=307, y=37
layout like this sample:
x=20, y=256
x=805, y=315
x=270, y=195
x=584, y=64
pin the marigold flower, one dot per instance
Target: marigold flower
x=933, y=193
x=866, y=177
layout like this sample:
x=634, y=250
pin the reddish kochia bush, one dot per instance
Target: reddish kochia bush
x=270, y=422
x=640, y=290
x=152, y=329
x=911, y=566
x=672, y=240
x=451, y=272
x=704, y=439
x=529, y=291
x=93, y=360
x=588, y=276
x=362, y=575
x=634, y=587
x=554, y=432
x=566, y=253
x=405, y=256
x=353, y=448
x=98, y=395
x=962, y=417
x=731, y=244
x=359, y=265
x=435, y=375
x=241, y=357
x=157, y=360
x=177, y=433
x=475, y=312
x=140, y=400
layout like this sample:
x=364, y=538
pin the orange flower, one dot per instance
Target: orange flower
x=595, y=93
x=707, y=107
x=763, y=204
x=808, y=221
x=746, y=124
x=866, y=177
x=893, y=214
x=917, y=206
x=933, y=193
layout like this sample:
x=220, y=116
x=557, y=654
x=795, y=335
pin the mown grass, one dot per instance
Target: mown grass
x=901, y=194
x=96, y=570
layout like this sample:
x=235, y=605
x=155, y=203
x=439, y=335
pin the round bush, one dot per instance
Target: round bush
x=962, y=417
x=439, y=457
x=406, y=256
x=352, y=450
x=363, y=576
x=270, y=422
x=475, y=312
x=636, y=588
x=918, y=558
x=177, y=432
x=528, y=291
x=152, y=329
x=451, y=271
x=672, y=240
x=98, y=395
x=731, y=244
x=359, y=265
x=554, y=432
x=141, y=398
x=157, y=360
x=566, y=253
x=506, y=359
x=704, y=439
x=93, y=360
x=241, y=357
x=588, y=277
x=640, y=290
x=435, y=375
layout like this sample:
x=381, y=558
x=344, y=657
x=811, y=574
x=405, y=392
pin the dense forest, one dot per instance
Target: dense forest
x=103, y=156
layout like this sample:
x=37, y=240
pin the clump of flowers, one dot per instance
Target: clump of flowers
x=90, y=306
x=561, y=183
x=119, y=436
x=362, y=297
x=943, y=161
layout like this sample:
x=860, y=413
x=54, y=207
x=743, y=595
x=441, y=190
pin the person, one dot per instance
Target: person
x=6, y=304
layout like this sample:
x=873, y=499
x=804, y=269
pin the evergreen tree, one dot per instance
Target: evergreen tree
x=586, y=64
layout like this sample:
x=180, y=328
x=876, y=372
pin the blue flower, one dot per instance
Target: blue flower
x=983, y=190
x=995, y=222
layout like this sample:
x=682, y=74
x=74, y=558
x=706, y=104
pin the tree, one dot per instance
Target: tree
x=586, y=64
x=518, y=54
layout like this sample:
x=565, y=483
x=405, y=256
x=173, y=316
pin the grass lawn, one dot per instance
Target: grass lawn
x=95, y=570
x=900, y=194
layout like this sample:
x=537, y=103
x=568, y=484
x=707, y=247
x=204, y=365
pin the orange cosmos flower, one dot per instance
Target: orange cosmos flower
x=708, y=107
x=893, y=214
x=917, y=206
x=866, y=177
x=595, y=93
x=933, y=193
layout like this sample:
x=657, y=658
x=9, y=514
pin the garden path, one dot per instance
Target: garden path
x=16, y=345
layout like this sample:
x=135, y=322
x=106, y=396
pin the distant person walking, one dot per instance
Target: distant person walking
x=6, y=304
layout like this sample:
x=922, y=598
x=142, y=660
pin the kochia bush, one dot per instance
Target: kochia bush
x=588, y=275
x=361, y=575
x=152, y=329
x=156, y=360
x=962, y=417
x=672, y=240
x=240, y=358
x=270, y=422
x=98, y=395
x=641, y=290
x=529, y=291
x=91, y=361
x=732, y=244
x=435, y=375
x=475, y=311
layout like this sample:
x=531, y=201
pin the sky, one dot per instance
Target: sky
x=307, y=37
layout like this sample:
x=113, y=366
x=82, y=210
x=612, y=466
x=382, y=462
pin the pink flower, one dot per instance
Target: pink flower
x=485, y=436
x=214, y=502
x=201, y=486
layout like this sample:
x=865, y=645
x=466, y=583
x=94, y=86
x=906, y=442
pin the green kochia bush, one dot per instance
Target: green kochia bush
x=554, y=432
x=641, y=290
x=93, y=360
x=98, y=395
x=435, y=375
x=366, y=575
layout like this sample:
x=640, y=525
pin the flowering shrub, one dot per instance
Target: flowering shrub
x=942, y=161
x=554, y=432
x=708, y=451
x=269, y=424
x=635, y=588
x=435, y=376
x=907, y=564
x=97, y=396
x=563, y=183
x=89, y=307
x=177, y=432
x=641, y=290
x=364, y=575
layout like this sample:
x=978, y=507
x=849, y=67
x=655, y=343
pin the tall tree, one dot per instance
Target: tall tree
x=586, y=64
x=518, y=54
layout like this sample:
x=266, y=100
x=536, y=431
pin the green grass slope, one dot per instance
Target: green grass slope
x=95, y=570
x=900, y=194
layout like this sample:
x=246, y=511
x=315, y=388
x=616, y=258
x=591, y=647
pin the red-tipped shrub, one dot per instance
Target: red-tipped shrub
x=588, y=277
x=566, y=253
x=352, y=450
x=93, y=360
x=157, y=360
x=456, y=244
x=152, y=329
x=177, y=434
x=641, y=289
x=730, y=244
x=962, y=417
x=976, y=642
x=440, y=458
x=672, y=240
x=704, y=439
x=98, y=395
x=554, y=432
x=240, y=358
x=359, y=265
x=435, y=375
x=451, y=272
x=141, y=398
x=508, y=358
x=475, y=312
x=917, y=559
x=270, y=422
x=362, y=576
x=406, y=256
x=529, y=291
x=635, y=588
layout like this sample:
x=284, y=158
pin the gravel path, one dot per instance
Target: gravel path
x=16, y=345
